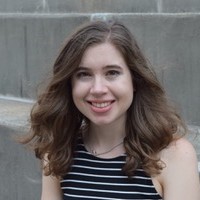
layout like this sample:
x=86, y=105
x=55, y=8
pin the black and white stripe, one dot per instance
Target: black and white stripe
x=95, y=178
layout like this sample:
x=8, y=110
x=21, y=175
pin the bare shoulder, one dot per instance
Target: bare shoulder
x=180, y=150
x=179, y=177
x=179, y=157
x=51, y=188
x=50, y=185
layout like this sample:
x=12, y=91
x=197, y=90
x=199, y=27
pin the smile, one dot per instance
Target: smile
x=101, y=105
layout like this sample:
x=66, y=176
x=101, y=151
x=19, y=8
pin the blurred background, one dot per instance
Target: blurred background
x=31, y=34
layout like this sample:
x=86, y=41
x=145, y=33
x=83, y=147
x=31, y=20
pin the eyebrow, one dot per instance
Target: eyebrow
x=105, y=67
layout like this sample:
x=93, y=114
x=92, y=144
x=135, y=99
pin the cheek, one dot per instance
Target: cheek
x=125, y=94
x=77, y=98
x=76, y=94
x=128, y=92
x=79, y=91
x=131, y=93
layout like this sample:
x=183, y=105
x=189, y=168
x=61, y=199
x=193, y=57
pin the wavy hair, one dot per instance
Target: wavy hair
x=56, y=122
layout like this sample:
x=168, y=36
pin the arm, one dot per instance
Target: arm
x=180, y=178
x=51, y=188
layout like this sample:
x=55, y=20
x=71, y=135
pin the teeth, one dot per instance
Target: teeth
x=101, y=105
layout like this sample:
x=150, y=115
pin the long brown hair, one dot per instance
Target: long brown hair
x=56, y=122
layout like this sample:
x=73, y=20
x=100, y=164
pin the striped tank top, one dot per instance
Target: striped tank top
x=96, y=178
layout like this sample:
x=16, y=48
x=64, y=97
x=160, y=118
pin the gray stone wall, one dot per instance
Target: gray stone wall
x=28, y=46
x=20, y=171
x=93, y=6
x=30, y=42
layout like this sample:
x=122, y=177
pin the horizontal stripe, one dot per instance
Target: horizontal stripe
x=108, y=180
x=103, y=183
x=109, y=191
x=95, y=175
x=97, y=168
x=90, y=197
x=97, y=178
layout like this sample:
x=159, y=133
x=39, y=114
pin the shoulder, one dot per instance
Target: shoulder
x=179, y=156
x=180, y=171
x=179, y=150
x=50, y=185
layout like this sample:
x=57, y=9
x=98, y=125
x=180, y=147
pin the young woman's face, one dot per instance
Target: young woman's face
x=102, y=87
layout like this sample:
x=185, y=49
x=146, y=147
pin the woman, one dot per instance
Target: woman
x=103, y=127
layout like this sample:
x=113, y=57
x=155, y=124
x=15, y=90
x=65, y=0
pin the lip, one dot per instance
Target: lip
x=101, y=106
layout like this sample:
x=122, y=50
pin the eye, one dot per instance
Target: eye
x=82, y=75
x=113, y=73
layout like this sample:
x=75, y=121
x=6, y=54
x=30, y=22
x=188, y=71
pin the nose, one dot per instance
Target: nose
x=98, y=87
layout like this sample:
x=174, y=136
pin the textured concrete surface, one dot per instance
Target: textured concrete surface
x=171, y=43
x=29, y=44
x=19, y=170
x=194, y=137
x=79, y=6
x=14, y=113
x=92, y=6
x=179, y=6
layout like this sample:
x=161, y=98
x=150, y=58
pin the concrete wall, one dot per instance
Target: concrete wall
x=19, y=170
x=81, y=6
x=29, y=44
x=177, y=6
x=31, y=33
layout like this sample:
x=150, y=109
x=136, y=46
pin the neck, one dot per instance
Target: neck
x=103, y=138
x=107, y=134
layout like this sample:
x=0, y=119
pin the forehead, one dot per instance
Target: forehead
x=102, y=55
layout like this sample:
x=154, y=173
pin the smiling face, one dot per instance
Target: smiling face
x=102, y=87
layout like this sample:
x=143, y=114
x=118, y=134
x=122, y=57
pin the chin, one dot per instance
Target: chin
x=101, y=122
